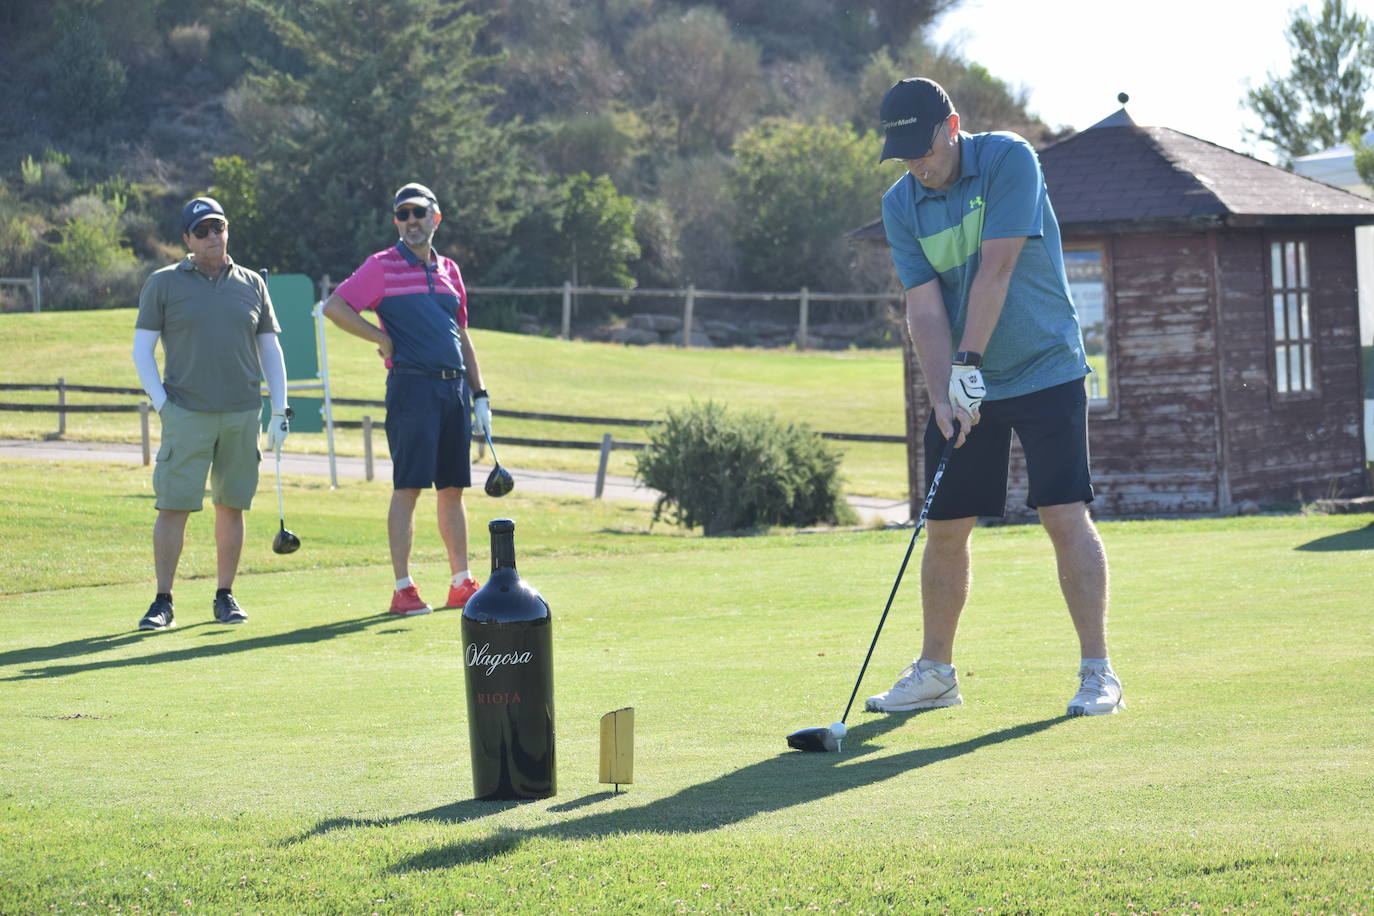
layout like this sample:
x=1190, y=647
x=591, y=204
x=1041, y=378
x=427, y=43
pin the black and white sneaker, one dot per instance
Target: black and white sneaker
x=159, y=616
x=227, y=610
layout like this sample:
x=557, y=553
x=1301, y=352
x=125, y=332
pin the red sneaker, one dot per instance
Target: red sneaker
x=458, y=595
x=407, y=602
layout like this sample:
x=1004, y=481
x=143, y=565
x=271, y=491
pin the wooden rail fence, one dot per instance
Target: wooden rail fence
x=606, y=445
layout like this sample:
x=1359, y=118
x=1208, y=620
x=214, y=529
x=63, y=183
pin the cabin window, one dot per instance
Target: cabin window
x=1291, y=298
x=1086, y=269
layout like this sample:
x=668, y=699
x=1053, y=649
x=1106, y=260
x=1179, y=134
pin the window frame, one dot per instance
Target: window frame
x=1296, y=309
x=1107, y=405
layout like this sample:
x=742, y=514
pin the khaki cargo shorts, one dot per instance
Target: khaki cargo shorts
x=196, y=443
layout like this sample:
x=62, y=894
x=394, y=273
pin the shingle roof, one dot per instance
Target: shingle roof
x=1110, y=176
x=1118, y=177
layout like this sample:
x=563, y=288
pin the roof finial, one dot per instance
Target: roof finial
x=1123, y=98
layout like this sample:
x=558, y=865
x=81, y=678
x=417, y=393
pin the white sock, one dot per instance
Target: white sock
x=460, y=577
x=926, y=664
x=404, y=583
x=1101, y=664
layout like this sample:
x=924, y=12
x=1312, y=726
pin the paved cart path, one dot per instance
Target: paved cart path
x=571, y=483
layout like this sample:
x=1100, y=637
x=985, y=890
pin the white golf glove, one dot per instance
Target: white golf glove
x=277, y=429
x=966, y=389
x=481, y=414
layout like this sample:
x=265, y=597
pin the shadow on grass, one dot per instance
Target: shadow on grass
x=94, y=644
x=791, y=778
x=1359, y=539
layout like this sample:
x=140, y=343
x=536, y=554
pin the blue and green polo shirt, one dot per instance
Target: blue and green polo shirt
x=1000, y=193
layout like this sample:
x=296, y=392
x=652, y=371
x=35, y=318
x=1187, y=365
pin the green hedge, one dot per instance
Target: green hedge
x=730, y=472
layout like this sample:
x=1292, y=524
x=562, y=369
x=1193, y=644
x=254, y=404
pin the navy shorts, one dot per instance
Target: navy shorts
x=429, y=431
x=1052, y=425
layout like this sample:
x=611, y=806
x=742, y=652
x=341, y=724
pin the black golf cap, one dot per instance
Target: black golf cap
x=911, y=112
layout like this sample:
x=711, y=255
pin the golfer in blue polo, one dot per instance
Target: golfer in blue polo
x=976, y=246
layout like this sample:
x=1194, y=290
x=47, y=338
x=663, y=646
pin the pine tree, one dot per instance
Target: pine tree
x=1322, y=100
x=388, y=92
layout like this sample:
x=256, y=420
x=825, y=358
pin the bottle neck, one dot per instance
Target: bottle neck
x=502, y=550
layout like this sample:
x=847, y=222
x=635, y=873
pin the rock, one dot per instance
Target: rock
x=637, y=336
x=658, y=323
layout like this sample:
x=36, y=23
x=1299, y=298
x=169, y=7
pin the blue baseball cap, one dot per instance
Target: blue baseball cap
x=199, y=209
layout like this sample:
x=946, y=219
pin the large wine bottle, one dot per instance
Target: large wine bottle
x=508, y=653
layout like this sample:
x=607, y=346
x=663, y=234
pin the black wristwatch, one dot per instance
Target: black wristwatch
x=969, y=358
x=480, y=393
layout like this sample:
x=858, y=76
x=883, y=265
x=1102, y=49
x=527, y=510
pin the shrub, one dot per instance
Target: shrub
x=728, y=472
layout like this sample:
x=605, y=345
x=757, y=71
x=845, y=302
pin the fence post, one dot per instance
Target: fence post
x=567, y=310
x=37, y=290
x=601, y=468
x=367, y=447
x=143, y=408
x=688, y=305
x=804, y=317
x=61, y=412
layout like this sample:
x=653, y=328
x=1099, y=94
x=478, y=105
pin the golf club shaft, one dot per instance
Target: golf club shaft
x=491, y=448
x=920, y=523
x=281, y=507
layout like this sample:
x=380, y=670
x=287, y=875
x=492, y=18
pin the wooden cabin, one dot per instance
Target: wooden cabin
x=1218, y=300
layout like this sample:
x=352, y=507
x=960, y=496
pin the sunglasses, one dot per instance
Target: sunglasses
x=209, y=226
x=404, y=214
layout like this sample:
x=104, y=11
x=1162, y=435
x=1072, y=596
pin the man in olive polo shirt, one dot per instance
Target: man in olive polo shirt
x=219, y=339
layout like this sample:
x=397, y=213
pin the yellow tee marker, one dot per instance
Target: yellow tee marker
x=618, y=747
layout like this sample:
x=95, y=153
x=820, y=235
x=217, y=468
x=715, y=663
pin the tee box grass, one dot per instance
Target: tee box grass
x=315, y=759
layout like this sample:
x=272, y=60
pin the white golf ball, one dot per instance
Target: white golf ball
x=838, y=729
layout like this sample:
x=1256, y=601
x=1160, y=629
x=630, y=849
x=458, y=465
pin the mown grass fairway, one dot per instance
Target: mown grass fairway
x=857, y=391
x=315, y=759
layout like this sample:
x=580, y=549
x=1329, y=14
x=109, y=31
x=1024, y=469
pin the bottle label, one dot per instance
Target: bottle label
x=485, y=658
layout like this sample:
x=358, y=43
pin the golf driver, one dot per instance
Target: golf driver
x=499, y=481
x=285, y=541
x=828, y=738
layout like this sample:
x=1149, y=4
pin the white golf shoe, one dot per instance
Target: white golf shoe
x=917, y=688
x=1099, y=693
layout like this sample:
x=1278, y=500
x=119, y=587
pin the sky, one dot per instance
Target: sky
x=1185, y=64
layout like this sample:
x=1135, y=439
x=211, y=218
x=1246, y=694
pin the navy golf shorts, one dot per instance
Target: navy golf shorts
x=1052, y=425
x=429, y=431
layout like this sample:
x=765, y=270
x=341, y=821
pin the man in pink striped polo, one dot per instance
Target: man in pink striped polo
x=435, y=399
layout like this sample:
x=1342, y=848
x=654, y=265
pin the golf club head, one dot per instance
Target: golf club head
x=813, y=739
x=499, y=482
x=285, y=542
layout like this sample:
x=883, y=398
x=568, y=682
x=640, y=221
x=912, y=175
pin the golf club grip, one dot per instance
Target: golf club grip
x=920, y=523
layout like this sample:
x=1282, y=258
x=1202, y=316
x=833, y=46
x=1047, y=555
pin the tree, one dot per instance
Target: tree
x=1322, y=100
x=703, y=85
x=798, y=189
x=983, y=101
x=386, y=92
x=597, y=237
x=1364, y=158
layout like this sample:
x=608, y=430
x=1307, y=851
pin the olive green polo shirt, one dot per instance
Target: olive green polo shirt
x=209, y=330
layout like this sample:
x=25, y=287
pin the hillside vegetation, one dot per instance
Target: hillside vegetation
x=623, y=143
